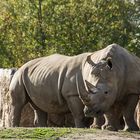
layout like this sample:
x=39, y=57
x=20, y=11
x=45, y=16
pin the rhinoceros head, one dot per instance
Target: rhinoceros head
x=98, y=86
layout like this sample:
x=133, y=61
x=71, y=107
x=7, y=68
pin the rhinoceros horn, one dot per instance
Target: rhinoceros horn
x=83, y=94
x=91, y=88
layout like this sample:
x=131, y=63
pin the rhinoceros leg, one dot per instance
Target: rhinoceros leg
x=40, y=118
x=76, y=108
x=112, y=119
x=128, y=113
x=18, y=101
x=98, y=122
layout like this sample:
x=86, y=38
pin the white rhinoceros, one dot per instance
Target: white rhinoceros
x=115, y=72
x=92, y=82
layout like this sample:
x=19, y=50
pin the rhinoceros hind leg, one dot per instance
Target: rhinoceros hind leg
x=40, y=118
x=15, y=108
x=128, y=113
x=15, y=115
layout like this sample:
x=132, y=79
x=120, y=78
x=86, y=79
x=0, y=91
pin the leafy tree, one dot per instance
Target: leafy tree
x=34, y=28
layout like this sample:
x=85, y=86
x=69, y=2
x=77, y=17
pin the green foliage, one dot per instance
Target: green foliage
x=34, y=28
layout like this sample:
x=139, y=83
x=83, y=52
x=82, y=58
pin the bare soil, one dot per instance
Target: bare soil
x=102, y=135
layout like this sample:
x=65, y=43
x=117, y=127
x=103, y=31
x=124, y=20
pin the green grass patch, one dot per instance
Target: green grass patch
x=33, y=133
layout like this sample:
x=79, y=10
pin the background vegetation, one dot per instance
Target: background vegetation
x=34, y=28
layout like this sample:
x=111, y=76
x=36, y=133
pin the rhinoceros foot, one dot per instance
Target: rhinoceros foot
x=95, y=126
x=109, y=127
x=133, y=128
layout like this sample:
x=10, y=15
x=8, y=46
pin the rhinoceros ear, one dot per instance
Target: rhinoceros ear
x=89, y=60
x=109, y=62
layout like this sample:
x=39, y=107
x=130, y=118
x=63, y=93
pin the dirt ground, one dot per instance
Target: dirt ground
x=103, y=135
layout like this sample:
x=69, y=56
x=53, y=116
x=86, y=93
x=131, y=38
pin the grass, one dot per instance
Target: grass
x=53, y=133
x=33, y=133
x=40, y=133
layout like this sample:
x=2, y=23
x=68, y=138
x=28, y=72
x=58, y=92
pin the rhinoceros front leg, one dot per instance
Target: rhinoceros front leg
x=76, y=107
x=128, y=113
x=98, y=122
x=112, y=119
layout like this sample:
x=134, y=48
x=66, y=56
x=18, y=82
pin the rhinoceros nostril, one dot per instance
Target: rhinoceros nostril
x=106, y=92
x=98, y=112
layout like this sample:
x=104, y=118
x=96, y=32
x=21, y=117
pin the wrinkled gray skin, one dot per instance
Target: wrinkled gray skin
x=92, y=82
x=111, y=85
x=49, y=85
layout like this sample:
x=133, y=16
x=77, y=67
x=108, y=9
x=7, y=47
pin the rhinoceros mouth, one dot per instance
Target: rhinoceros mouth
x=93, y=112
x=99, y=112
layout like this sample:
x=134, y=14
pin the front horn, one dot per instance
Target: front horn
x=83, y=94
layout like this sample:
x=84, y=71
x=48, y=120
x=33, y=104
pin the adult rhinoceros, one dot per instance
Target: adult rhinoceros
x=114, y=72
x=90, y=81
